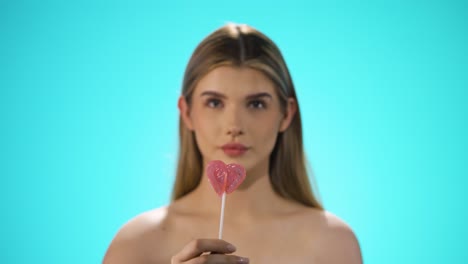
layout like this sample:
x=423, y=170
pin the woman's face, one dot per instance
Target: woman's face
x=236, y=116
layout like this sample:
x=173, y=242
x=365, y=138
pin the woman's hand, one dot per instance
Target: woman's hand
x=192, y=253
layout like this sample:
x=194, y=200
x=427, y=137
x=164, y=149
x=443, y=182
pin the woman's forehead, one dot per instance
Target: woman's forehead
x=235, y=81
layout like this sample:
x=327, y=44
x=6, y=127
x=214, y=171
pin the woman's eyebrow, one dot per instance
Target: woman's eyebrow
x=212, y=93
x=248, y=97
x=259, y=95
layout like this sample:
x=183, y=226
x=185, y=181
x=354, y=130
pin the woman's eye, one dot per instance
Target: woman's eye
x=257, y=104
x=213, y=103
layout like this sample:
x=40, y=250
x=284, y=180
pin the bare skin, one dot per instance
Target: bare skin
x=263, y=227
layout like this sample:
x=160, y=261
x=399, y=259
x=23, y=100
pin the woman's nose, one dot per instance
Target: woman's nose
x=235, y=131
x=233, y=121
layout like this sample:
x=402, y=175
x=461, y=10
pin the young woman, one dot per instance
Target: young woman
x=238, y=105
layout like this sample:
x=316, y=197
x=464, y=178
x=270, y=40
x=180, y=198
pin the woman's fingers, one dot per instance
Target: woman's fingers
x=198, y=246
x=218, y=259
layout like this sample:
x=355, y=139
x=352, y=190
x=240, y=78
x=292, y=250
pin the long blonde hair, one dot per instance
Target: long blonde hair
x=244, y=46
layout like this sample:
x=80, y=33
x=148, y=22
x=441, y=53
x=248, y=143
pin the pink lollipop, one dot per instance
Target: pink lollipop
x=225, y=179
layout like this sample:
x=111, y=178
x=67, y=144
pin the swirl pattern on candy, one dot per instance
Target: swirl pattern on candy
x=225, y=178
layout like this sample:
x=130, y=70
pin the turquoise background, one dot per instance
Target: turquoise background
x=88, y=94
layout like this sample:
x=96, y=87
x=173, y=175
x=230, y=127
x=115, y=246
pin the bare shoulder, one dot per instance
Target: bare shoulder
x=138, y=238
x=336, y=241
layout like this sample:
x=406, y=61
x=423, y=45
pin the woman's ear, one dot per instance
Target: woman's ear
x=291, y=109
x=184, y=111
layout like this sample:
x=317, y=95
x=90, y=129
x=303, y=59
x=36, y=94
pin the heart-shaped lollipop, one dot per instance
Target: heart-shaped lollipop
x=225, y=178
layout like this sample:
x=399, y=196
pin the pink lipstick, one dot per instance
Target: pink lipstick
x=234, y=149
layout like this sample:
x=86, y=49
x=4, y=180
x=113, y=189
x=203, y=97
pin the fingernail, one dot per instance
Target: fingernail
x=231, y=248
x=243, y=260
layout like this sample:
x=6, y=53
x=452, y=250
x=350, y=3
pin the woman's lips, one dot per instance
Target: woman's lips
x=234, y=149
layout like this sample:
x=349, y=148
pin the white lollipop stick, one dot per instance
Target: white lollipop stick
x=221, y=220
